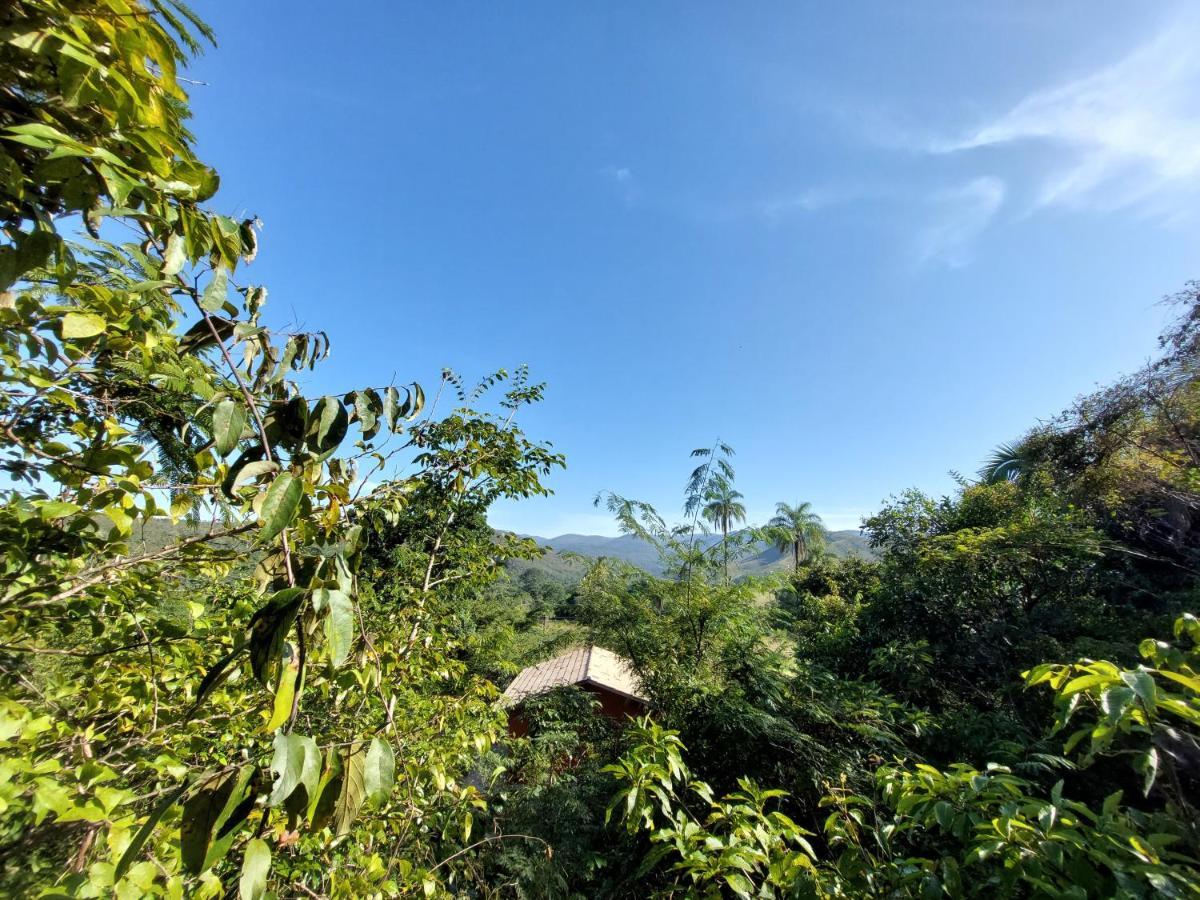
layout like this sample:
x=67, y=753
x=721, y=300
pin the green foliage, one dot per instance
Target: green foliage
x=239, y=705
x=548, y=804
x=924, y=831
x=729, y=844
x=1151, y=712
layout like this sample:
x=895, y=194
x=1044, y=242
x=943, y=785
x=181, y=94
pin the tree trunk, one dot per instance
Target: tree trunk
x=796, y=556
x=725, y=545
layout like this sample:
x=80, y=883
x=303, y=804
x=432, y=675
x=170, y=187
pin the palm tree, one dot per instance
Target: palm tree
x=797, y=528
x=723, y=509
x=1008, y=462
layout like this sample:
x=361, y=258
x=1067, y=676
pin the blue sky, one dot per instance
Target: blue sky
x=861, y=244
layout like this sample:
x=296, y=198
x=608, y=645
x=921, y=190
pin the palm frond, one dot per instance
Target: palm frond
x=1008, y=462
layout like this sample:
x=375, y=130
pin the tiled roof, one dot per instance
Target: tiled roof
x=593, y=666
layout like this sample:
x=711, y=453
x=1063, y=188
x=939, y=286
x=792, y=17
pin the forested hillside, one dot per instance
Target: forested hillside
x=644, y=554
x=252, y=639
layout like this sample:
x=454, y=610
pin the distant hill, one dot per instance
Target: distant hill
x=643, y=555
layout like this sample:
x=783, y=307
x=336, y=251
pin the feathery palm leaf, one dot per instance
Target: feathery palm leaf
x=1008, y=462
x=797, y=529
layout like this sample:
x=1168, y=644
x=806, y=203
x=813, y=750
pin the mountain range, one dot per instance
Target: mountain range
x=642, y=554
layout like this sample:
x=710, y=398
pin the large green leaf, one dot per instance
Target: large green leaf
x=321, y=805
x=268, y=630
x=327, y=425
x=352, y=790
x=393, y=409
x=248, y=466
x=229, y=420
x=214, y=296
x=368, y=406
x=296, y=763
x=237, y=808
x=280, y=505
x=255, y=865
x=207, y=810
x=379, y=771
x=339, y=625
x=139, y=840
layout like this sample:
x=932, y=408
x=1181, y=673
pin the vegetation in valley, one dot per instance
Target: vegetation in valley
x=251, y=640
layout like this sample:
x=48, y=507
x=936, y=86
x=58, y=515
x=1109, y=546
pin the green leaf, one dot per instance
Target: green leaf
x=237, y=808
x=944, y=813
x=206, y=811
x=352, y=790
x=281, y=504
x=229, y=420
x=1190, y=682
x=268, y=628
x=322, y=803
x=379, y=771
x=215, y=676
x=296, y=763
x=742, y=886
x=285, y=694
x=1143, y=685
x=214, y=296
x=173, y=256
x=81, y=325
x=327, y=425
x=1083, y=683
x=1115, y=702
x=368, y=406
x=1147, y=764
x=139, y=840
x=339, y=625
x=255, y=865
x=247, y=466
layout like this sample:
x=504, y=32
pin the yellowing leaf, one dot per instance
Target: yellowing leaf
x=76, y=326
x=285, y=695
x=173, y=255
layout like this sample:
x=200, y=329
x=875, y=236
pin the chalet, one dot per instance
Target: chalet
x=593, y=669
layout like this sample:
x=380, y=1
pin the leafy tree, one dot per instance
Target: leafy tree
x=733, y=843
x=239, y=703
x=547, y=806
x=797, y=529
x=954, y=832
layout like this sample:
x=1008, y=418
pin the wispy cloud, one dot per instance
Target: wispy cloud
x=621, y=177
x=815, y=199
x=957, y=217
x=1125, y=135
x=942, y=223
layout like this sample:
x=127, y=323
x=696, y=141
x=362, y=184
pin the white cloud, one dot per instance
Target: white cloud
x=959, y=215
x=622, y=178
x=815, y=199
x=1126, y=135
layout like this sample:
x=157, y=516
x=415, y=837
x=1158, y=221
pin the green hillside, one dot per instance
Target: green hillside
x=839, y=544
